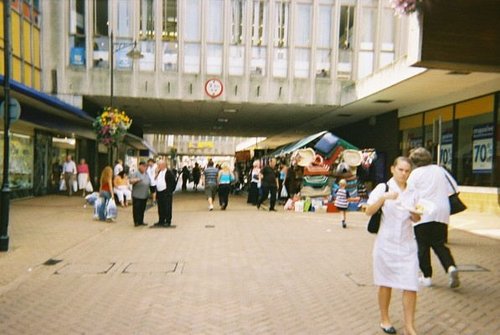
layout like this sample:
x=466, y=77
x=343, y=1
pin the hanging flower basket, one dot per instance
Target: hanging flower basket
x=405, y=7
x=111, y=126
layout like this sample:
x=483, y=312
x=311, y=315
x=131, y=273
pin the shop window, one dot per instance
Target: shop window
x=411, y=133
x=20, y=161
x=475, y=150
x=438, y=135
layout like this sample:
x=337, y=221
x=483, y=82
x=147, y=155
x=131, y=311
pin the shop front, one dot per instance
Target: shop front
x=463, y=137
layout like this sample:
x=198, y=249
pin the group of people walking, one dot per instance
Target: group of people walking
x=416, y=212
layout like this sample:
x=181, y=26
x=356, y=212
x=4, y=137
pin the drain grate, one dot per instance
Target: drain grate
x=471, y=268
x=52, y=261
x=209, y=226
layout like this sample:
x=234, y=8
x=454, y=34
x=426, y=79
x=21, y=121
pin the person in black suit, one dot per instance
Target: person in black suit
x=165, y=187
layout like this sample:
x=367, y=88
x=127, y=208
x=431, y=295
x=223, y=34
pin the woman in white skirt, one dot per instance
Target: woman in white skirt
x=395, y=257
x=83, y=175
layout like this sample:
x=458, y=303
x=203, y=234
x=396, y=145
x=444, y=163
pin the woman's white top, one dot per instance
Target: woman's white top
x=433, y=189
x=395, y=258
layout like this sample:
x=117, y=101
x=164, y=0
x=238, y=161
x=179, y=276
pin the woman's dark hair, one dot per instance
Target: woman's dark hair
x=401, y=159
x=420, y=157
x=122, y=174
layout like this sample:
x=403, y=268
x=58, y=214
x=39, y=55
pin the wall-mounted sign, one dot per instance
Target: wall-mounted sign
x=482, y=148
x=213, y=88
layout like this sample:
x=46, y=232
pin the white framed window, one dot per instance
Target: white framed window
x=147, y=19
x=324, y=41
x=258, y=58
x=124, y=18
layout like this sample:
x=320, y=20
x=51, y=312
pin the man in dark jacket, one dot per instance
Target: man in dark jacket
x=269, y=184
x=165, y=187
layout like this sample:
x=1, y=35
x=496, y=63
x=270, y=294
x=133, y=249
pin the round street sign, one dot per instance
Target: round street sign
x=15, y=110
x=214, y=88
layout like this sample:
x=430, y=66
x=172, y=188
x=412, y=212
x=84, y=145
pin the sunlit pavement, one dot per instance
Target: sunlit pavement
x=238, y=271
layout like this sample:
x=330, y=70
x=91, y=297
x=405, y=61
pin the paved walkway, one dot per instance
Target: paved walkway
x=239, y=271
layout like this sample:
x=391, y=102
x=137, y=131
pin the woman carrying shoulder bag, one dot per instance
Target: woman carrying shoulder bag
x=395, y=260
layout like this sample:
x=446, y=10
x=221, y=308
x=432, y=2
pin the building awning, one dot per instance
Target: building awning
x=43, y=101
x=287, y=149
x=139, y=143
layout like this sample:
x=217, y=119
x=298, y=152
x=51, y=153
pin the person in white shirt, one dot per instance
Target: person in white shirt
x=118, y=167
x=395, y=260
x=165, y=187
x=69, y=174
x=432, y=187
x=151, y=172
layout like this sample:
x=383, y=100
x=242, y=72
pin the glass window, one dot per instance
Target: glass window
x=101, y=40
x=192, y=58
x=146, y=20
x=77, y=33
x=20, y=162
x=215, y=25
x=170, y=56
x=259, y=38
x=215, y=36
x=147, y=63
x=236, y=60
x=124, y=18
x=193, y=16
x=388, y=27
x=346, y=31
x=475, y=150
x=367, y=40
x=324, y=41
x=411, y=133
x=237, y=18
x=281, y=22
x=169, y=24
x=169, y=36
x=303, y=28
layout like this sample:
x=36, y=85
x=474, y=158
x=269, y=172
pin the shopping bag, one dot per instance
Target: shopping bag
x=111, y=209
x=283, y=193
x=62, y=185
x=89, y=187
x=75, y=186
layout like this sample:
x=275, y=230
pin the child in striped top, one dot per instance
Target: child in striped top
x=341, y=201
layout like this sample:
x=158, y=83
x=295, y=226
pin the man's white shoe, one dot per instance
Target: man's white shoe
x=425, y=281
x=210, y=207
x=454, y=281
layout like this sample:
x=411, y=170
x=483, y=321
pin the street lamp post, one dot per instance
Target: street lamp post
x=5, y=203
x=133, y=54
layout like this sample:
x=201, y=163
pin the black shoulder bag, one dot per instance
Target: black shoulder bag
x=374, y=223
x=456, y=205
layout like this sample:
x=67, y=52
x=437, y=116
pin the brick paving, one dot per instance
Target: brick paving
x=239, y=271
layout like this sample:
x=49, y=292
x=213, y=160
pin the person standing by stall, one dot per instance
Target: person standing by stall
x=269, y=184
